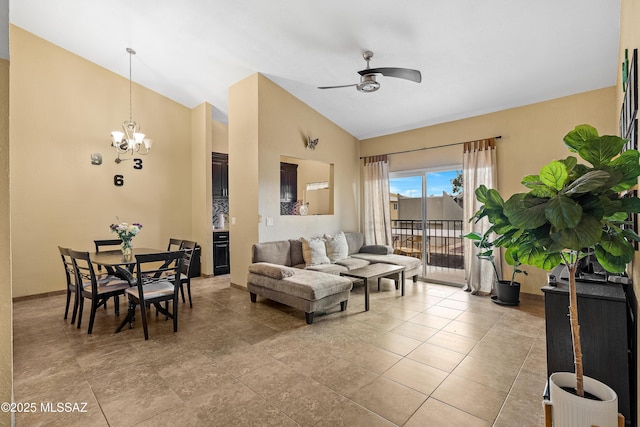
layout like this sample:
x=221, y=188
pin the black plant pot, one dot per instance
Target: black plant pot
x=507, y=293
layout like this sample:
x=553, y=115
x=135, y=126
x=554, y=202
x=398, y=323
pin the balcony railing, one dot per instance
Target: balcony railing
x=442, y=240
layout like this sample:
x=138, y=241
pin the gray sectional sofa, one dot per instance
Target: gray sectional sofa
x=283, y=273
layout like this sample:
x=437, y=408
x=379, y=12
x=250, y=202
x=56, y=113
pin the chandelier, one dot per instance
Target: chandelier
x=130, y=140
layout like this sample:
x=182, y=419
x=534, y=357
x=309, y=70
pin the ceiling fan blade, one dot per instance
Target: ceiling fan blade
x=401, y=73
x=336, y=87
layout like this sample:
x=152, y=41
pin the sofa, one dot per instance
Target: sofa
x=305, y=273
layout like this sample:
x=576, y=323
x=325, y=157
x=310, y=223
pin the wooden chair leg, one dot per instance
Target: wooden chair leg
x=80, y=312
x=182, y=293
x=175, y=314
x=92, y=317
x=143, y=314
x=66, y=308
x=620, y=420
x=189, y=292
x=75, y=308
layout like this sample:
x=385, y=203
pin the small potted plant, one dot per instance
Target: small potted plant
x=571, y=209
x=507, y=291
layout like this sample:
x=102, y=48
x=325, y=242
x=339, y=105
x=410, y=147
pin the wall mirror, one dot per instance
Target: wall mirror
x=306, y=187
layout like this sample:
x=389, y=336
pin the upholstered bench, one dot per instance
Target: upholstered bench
x=305, y=290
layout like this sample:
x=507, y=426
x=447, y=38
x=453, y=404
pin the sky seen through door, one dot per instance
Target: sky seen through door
x=411, y=186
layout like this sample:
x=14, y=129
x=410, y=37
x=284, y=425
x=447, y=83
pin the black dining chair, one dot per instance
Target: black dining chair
x=97, y=288
x=72, y=286
x=101, y=243
x=174, y=244
x=189, y=248
x=158, y=280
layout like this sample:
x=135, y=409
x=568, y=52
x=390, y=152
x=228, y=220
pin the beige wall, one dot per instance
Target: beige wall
x=629, y=39
x=531, y=137
x=201, y=197
x=219, y=137
x=275, y=123
x=62, y=109
x=6, y=320
x=243, y=175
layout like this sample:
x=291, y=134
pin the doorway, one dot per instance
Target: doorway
x=426, y=221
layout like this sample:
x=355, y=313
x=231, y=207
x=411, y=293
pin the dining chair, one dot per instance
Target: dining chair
x=158, y=280
x=189, y=248
x=70, y=274
x=97, y=288
x=106, y=242
x=174, y=244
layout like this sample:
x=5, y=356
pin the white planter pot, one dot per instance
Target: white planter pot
x=570, y=410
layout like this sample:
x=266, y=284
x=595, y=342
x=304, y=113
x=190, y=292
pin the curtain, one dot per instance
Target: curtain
x=377, y=216
x=478, y=167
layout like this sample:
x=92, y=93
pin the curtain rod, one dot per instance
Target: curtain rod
x=429, y=148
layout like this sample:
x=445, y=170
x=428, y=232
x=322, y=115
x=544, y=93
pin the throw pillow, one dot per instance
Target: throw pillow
x=337, y=246
x=314, y=251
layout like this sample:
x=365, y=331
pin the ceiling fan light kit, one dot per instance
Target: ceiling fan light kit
x=368, y=81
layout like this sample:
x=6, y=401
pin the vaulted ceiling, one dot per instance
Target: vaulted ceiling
x=475, y=56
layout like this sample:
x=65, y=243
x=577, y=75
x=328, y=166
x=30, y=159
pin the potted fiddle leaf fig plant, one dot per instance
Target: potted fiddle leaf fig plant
x=572, y=209
x=507, y=291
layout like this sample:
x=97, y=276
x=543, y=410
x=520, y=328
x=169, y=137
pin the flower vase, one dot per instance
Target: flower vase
x=126, y=248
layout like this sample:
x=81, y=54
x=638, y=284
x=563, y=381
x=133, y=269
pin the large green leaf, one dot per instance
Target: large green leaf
x=538, y=257
x=563, y=212
x=554, y=175
x=628, y=157
x=586, y=234
x=600, y=151
x=577, y=136
x=630, y=204
x=614, y=244
x=570, y=162
x=590, y=181
x=612, y=263
x=627, y=174
x=525, y=211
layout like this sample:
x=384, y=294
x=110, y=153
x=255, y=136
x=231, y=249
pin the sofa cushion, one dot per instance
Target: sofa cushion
x=376, y=249
x=409, y=263
x=272, y=252
x=354, y=241
x=327, y=268
x=296, y=252
x=272, y=270
x=337, y=247
x=308, y=285
x=353, y=263
x=314, y=251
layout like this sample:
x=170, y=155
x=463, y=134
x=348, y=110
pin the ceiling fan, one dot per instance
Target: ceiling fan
x=368, y=81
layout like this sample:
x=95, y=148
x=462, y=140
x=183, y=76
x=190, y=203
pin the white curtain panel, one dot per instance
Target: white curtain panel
x=377, y=216
x=478, y=167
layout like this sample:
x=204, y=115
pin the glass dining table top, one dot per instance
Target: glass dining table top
x=115, y=258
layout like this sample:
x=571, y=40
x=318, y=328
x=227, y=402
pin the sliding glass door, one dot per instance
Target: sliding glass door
x=426, y=221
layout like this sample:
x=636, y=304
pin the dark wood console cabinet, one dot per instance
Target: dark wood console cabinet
x=606, y=313
x=221, y=260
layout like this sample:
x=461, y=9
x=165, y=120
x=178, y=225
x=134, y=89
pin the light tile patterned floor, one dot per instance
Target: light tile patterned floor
x=436, y=357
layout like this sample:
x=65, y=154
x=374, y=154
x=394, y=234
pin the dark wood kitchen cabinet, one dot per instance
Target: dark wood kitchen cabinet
x=220, y=175
x=221, y=261
x=288, y=182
